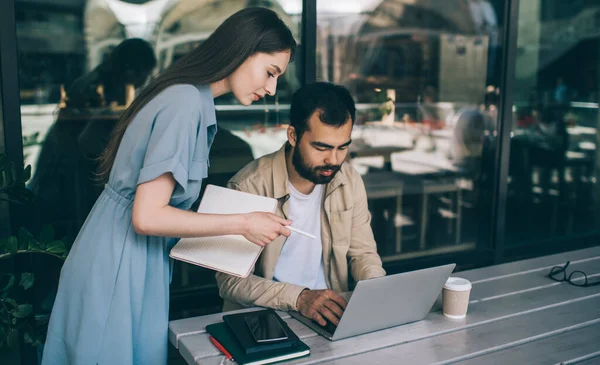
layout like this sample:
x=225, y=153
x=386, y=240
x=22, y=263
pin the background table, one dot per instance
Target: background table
x=517, y=315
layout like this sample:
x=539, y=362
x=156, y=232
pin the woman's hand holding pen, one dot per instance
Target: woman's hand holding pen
x=262, y=228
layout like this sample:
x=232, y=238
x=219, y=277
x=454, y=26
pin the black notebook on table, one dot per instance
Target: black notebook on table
x=225, y=336
x=237, y=323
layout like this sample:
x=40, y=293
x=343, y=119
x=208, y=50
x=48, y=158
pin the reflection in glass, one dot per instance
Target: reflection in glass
x=552, y=190
x=75, y=88
x=80, y=65
x=63, y=176
x=425, y=76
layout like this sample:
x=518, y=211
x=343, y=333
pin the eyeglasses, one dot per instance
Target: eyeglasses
x=577, y=278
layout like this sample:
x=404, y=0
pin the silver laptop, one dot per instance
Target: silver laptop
x=385, y=302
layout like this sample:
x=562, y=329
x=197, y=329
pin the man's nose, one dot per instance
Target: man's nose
x=332, y=158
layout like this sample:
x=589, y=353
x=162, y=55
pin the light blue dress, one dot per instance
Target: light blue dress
x=112, y=304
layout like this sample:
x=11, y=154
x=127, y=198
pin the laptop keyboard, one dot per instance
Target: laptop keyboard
x=329, y=327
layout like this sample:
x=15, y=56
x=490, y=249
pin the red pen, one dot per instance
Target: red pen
x=220, y=347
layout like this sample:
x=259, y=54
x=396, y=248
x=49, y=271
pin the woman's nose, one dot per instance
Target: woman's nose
x=271, y=87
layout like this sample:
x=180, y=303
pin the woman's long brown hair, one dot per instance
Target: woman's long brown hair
x=249, y=31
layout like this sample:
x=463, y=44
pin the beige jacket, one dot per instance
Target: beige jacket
x=345, y=232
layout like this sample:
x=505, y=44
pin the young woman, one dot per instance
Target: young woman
x=113, y=297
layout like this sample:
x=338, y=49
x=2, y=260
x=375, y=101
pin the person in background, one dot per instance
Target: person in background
x=112, y=304
x=429, y=116
x=472, y=132
x=325, y=197
x=561, y=92
x=130, y=63
x=64, y=179
x=549, y=133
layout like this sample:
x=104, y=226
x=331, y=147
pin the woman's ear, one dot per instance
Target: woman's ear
x=291, y=135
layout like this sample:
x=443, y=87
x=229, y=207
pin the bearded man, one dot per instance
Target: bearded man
x=323, y=196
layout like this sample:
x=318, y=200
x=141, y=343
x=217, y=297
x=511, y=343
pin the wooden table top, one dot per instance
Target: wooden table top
x=516, y=315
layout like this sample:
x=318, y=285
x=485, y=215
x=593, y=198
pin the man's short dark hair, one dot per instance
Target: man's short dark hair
x=333, y=103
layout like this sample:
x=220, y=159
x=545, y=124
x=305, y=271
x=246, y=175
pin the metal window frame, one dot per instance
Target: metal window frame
x=505, y=123
x=11, y=141
x=309, y=41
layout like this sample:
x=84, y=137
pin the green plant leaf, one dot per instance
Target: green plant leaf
x=27, y=338
x=31, y=242
x=22, y=311
x=12, y=245
x=31, y=338
x=10, y=282
x=11, y=302
x=47, y=234
x=27, y=280
x=12, y=339
x=23, y=234
x=3, y=318
x=23, y=243
x=57, y=247
x=27, y=173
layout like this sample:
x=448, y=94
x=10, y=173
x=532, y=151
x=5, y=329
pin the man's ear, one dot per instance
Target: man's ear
x=291, y=136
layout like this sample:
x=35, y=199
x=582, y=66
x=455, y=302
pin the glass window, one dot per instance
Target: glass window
x=552, y=190
x=81, y=64
x=425, y=75
x=75, y=82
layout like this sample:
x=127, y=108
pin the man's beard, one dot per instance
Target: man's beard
x=312, y=173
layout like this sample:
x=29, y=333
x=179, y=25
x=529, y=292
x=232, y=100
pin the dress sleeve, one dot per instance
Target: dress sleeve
x=173, y=146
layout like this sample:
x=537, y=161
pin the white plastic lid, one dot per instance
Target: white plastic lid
x=458, y=284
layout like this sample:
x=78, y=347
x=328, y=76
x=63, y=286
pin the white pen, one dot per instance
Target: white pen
x=301, y=232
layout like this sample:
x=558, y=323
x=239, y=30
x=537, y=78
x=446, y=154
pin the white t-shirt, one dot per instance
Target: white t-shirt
x=301, y=259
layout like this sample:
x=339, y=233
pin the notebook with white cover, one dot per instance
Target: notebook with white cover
x=231, y=254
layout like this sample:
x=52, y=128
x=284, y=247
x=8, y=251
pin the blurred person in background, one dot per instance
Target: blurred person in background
x=64, y=179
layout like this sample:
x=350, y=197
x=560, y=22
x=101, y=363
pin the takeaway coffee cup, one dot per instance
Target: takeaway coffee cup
x=455, y=296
